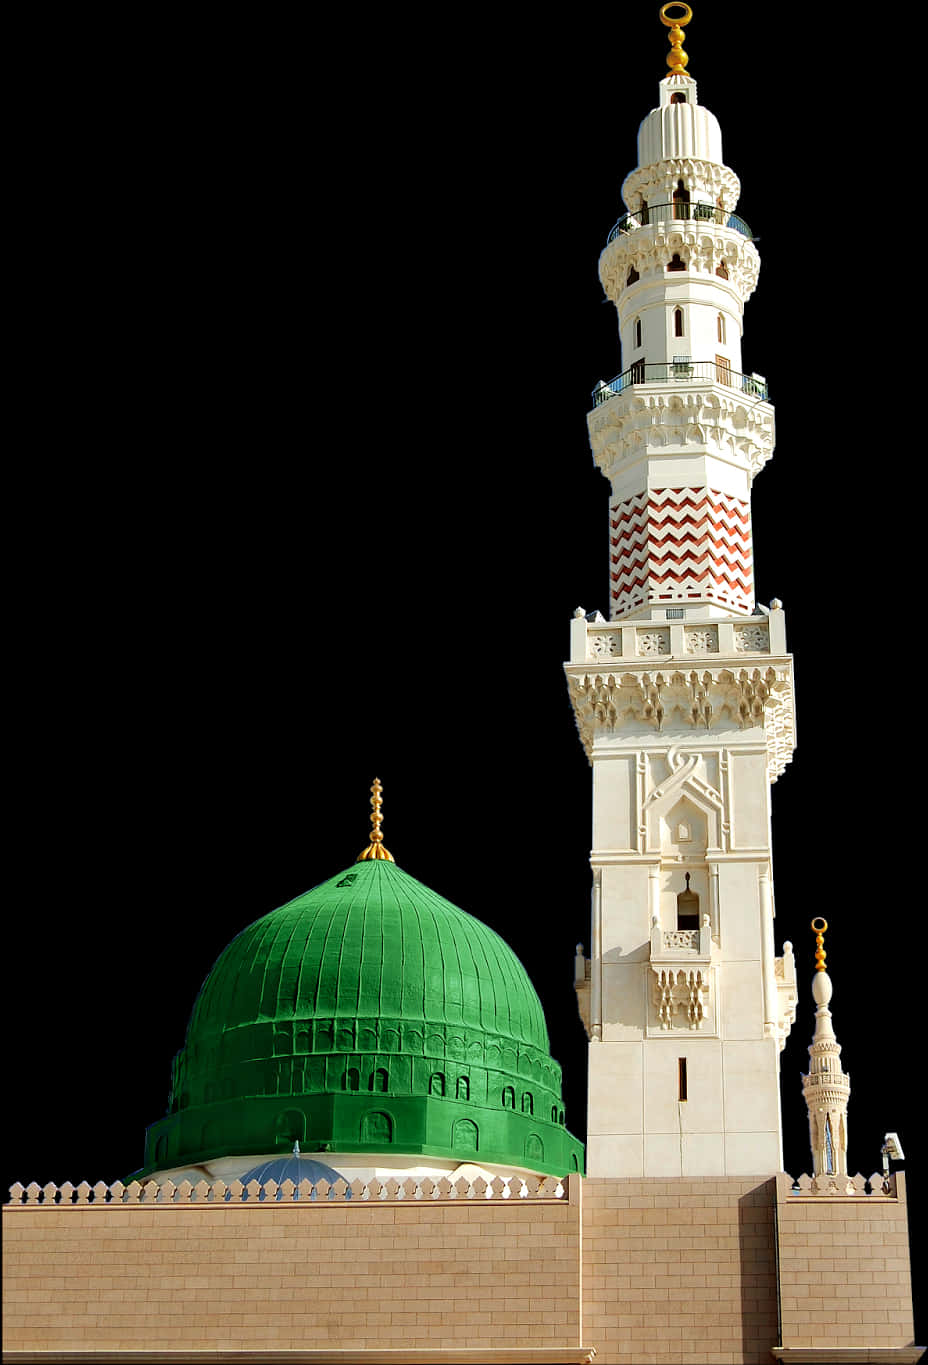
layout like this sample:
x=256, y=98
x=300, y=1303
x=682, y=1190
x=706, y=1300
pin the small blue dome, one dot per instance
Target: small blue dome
x=293, y=1167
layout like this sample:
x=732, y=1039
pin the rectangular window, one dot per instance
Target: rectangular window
x=681, y=1079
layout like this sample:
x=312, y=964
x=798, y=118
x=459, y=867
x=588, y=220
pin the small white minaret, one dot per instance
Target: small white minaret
x=826, y=1088
x=683, y=695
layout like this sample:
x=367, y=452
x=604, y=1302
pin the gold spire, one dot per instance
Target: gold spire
x=819, y=926
x=375, y=848
x=676, y=58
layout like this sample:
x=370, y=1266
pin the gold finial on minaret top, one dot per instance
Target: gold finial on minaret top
x=375, y=848
x=819, y=926
x=676, y=58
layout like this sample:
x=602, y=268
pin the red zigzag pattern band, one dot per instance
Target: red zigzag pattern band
x=679, y=545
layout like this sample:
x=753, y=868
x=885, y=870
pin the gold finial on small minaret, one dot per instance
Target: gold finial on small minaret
x=676, y=58
x=375, y=848
x=819, y=926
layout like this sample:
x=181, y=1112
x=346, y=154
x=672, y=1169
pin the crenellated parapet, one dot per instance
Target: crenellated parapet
x=220, y=1194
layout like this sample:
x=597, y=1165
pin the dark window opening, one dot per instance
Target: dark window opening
x=681, y=1079
x=687, y=908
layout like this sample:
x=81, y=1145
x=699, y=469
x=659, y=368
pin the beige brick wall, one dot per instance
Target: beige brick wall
x=679, y=1271
x=844, y=1268
x=674, y=1272
x=163, y=1277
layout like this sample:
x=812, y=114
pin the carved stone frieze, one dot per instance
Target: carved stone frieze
x=604, y=702
x=680, y=996
x=645, y=420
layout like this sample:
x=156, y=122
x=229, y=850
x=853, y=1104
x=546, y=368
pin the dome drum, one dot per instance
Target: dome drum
x=413, y=1125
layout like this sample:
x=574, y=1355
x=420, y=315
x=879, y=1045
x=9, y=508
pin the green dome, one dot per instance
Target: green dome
x=367, y=1015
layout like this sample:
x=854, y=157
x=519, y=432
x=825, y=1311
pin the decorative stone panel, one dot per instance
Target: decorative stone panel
x=702, y=640
x=753, y=639
x=651, y=642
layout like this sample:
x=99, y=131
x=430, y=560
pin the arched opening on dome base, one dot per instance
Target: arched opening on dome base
x=465, y=1136
x=377, y=1128
x=289, y=1127
x=534, y=1148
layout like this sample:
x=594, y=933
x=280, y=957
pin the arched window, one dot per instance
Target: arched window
x=528, y=1103
x=464, y=1136
x=643, y=213
x=687, y=908
x=681, y=201
x=675, y=263
x=377, y=1129
x=637, y=332
x=463, y=1088
x=678, y=322
x=722, y=270
x=509, y=1097
x=437, y=1083
x=351, y=1079
x=829, y=1148
x=379, y=1081
x=534, y=1148
x=678, y=97
x=720, y=327
x=290, y=1127
x=632, y=276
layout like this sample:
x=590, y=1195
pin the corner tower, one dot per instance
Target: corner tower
x=684, y=696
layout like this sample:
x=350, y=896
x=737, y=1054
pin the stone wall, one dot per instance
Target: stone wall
x=679, y=1270
x=442, y=1271
x=672, y=1272
x=844, y=1267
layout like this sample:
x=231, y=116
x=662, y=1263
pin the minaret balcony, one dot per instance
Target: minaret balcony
x=668, y=213
x=679, y=372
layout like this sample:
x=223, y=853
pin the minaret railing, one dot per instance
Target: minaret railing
x=667, y=213
x=678, y=371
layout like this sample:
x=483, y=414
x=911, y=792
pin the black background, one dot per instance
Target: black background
x=302, y=494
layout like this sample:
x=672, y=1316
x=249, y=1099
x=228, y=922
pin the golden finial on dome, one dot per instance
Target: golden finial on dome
x=676, y=58
x=819, y=926
x=375, y=848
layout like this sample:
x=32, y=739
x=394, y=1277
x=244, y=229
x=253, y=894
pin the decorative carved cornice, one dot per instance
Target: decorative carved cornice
x=701, y=244
x=605, y=702
x=706, y=180
x=647, y=419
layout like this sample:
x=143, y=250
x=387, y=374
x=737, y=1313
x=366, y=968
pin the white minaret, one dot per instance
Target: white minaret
x=826, y=1088
x=684, y=696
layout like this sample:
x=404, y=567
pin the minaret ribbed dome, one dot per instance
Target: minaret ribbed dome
x=368, y=1014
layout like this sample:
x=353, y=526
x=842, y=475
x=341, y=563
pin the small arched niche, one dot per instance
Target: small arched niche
x=684, y=830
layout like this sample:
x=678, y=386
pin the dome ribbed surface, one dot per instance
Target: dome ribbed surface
x=370, y=942
x=367, y=1015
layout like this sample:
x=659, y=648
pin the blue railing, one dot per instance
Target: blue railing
x=667, y=213
x=681, y=371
